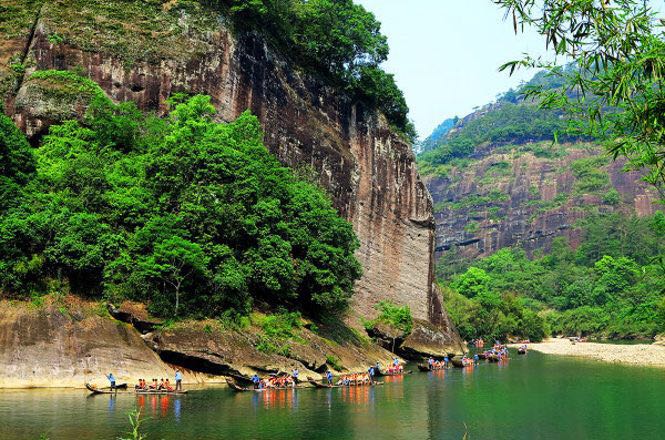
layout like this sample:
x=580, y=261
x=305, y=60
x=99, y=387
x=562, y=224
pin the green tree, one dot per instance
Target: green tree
x=340, y=35
x=474, y=282
x=16, y=162
x=173, y=263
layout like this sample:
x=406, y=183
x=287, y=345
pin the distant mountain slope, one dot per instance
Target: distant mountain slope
x=437, y=136
x=499, y=179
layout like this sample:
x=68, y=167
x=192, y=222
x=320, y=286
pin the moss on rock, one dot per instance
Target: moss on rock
x=148, y=30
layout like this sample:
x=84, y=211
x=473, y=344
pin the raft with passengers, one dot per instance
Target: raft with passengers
x=395, y=369
x=142, y=387
x=288, y=382
x=496, y=354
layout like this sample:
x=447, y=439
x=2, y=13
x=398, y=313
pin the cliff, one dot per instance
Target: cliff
x=527, y=195
x=146, y=51
x=68, y=344
x=64, y=342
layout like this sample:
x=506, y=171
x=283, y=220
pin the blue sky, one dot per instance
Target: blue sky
x=445, y=54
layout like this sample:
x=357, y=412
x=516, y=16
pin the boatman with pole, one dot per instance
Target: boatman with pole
x=256, y=380
x=178, y=380
x=111, y=379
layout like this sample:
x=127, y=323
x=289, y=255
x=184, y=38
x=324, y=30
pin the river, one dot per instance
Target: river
x=531, y=397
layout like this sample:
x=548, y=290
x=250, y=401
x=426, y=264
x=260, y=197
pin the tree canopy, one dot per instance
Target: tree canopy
x=337, y=39
x=612, y=285
x=191, y=216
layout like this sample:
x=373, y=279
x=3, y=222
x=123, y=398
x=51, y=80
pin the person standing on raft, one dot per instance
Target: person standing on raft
x=111, y=379
x=178, y=380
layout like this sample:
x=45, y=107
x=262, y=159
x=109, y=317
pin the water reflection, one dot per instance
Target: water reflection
x=277, y=398
x=159, y=405
x=361, y=395
x=177, y=409
x=392, y=386
x=595, y=400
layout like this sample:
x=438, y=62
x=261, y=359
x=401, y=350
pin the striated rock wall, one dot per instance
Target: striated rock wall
x=67, y=346
x=67, y=342
x=367, y=169
x=513, y=196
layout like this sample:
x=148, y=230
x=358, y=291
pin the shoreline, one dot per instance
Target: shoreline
x=642, y=355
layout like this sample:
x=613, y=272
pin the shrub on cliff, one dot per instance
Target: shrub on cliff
x=191, y=216
x=398, y=317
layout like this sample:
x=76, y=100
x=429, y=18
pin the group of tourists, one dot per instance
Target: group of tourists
x=469, y=361
x=498, y=352
x=162, y=385
x=478, y=343
x=433, y=364
x=154, y=385
x=394, y=368
x=355, y=379
x=284, y=381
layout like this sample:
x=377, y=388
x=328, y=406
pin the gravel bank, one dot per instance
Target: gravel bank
x=641, y=354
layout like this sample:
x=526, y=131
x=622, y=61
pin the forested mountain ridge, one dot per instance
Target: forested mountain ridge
x=510, y=174
x=533, y=223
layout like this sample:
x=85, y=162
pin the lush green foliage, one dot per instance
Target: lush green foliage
x=336, y=38
x=279, y=332
x=612, y=285
x=438, y=135
x=617, y=84
x=191, y=216
x=511, y=121
x=396, y=316
x=507, y=123
x=16, y=163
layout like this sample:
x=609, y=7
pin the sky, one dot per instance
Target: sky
x=445, y=54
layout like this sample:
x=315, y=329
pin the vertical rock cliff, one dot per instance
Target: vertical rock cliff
x=513, y=197
x=145, y=52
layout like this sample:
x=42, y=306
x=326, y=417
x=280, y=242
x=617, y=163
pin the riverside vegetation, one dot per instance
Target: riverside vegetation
x=612, y=285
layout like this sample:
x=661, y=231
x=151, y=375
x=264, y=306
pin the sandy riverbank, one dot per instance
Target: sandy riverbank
x=640, y=354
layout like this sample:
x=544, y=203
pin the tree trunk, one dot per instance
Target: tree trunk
x=177, y=299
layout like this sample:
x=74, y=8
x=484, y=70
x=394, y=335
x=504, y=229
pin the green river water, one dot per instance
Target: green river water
x=530, y=397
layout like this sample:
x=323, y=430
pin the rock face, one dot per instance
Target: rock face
x=68, y=343
x=234, y=353
x=368, y=170
x=69, y=346
x=528, y=195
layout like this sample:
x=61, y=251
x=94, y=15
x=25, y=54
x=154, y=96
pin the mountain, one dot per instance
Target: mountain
x=436, y=136
x=56, y=55
x=539, y=232
x=509, y=174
